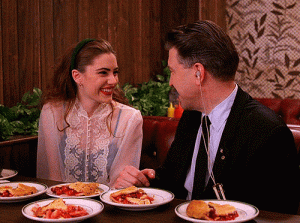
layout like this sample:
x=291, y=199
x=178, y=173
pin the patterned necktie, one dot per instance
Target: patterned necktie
x=201, y=162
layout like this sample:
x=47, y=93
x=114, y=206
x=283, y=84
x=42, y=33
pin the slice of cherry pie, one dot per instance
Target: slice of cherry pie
x=211, y=211
x=131, y=195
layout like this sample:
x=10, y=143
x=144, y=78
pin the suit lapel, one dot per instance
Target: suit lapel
x=188, y=130
x=229, y=133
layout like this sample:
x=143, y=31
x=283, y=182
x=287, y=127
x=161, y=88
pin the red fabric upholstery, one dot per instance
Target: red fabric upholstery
x=158, y=134
x=288, y=109
x=291, y=111
x=296, y=133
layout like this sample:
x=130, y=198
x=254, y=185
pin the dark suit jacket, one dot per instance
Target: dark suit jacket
x=256, y=161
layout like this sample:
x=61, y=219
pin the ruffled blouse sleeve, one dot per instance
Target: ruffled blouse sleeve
x=129, y=147
x=48, y=159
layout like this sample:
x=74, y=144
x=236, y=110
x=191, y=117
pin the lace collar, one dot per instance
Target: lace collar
x=103, y=109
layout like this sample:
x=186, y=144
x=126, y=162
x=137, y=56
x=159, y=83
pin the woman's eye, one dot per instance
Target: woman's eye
x=116, y=72
x=103, y=72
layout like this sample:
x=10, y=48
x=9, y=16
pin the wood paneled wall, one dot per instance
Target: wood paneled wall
x=214, y=10
x=35, y=33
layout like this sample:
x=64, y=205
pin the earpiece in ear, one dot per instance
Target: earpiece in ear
x=198, y=73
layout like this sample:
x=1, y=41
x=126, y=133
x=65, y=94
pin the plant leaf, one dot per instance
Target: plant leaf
x=297, y=62
x=251, y=38
x=287, y=60
x=276, y=12
x=279, y=73
x=261, y=32
x=277, y=5
x=258, y=75
x=289, y=83
x=294, y=73
x=291, y=6
x=263, y=19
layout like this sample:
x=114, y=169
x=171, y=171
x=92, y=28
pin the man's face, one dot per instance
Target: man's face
x=183, y=80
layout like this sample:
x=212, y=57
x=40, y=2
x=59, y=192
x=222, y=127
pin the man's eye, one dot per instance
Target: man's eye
x=103, y=72
x=116, y=72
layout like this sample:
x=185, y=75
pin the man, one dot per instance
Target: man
x=250, y=151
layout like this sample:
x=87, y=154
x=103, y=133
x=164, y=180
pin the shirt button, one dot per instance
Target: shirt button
x=222, y=157
x=221, y=150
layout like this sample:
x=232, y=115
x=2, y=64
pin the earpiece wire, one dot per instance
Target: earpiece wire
x=219, y=191
x=210, y=168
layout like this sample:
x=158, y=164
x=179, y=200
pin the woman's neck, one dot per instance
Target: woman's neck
x=89, y=107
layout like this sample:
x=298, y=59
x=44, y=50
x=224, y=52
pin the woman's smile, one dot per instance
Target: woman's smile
x=107, y=91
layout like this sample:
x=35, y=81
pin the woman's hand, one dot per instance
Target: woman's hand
x=132, y=176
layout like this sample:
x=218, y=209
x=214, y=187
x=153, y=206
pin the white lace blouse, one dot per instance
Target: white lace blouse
x=87, y=150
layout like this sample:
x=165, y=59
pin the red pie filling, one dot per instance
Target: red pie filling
x=230, y=216
x=71, y=212
x=64, y=190
x=122, y=198
x=6, y=194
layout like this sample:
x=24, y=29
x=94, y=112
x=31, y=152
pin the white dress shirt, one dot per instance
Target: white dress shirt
x=218, y=117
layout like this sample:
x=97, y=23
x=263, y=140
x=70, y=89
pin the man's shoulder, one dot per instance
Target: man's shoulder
x=260, y=113
x=249, y=109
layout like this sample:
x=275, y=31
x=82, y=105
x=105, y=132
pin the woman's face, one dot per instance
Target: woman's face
x=97, y=83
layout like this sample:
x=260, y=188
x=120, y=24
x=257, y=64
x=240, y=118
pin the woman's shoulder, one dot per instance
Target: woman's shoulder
x=53, y=107
x=127, y=108
x=52, y=104
x=128, y=111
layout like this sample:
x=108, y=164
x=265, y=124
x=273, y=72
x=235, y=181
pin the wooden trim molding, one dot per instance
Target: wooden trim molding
x=18, y=139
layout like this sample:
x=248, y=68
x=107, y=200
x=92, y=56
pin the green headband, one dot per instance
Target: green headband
x=79, y=46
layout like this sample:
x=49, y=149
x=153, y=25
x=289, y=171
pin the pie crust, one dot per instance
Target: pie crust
x=20, y=190
x=211, y=211
x=85, y=188
x=131, y=195
x=77, y=189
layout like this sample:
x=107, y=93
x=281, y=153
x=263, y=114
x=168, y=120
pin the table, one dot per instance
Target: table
x=11, y=212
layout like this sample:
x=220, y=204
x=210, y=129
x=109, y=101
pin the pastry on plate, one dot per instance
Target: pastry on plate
x=131, y=195
x=58, y=209
x=211, y=211
x=20, y=190
x=77, y=189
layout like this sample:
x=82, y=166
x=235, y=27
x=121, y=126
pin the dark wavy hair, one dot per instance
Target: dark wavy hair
x=206, y=43
x=64, y=88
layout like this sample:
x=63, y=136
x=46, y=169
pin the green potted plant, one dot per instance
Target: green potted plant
x=21, y=119
x=152, y=97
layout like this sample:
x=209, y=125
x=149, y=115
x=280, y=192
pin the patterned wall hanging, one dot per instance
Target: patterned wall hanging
x=267, y=36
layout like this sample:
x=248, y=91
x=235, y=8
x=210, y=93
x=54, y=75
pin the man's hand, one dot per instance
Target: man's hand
x=132, y=176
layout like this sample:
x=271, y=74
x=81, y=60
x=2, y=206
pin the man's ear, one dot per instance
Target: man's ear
x=199, y=73
x=77, y=76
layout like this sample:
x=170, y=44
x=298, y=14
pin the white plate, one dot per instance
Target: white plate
x=51, y=194
x=41, y=188
x=160, y=197
x=6, y=173
x=246, y=211
x=93, y=207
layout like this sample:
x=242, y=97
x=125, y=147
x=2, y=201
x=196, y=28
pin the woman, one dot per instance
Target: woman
x=85, y=132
